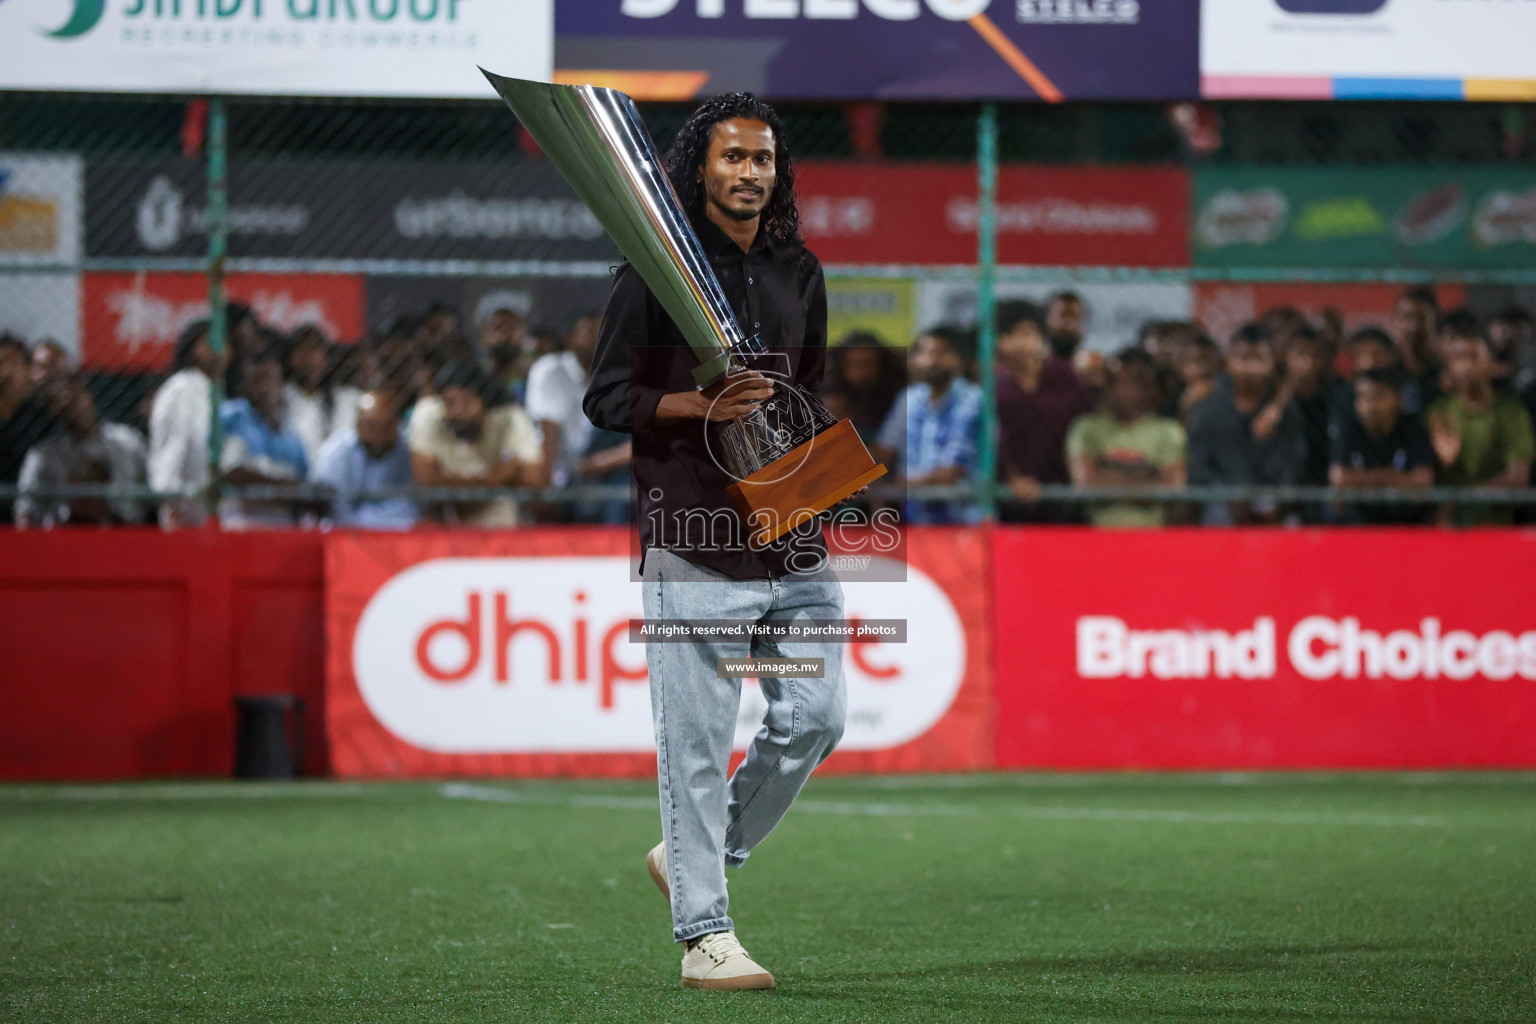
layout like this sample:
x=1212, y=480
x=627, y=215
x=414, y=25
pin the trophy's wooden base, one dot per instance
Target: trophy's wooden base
x=804, y=483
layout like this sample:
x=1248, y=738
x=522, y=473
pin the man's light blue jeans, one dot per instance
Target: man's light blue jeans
x=708, y=821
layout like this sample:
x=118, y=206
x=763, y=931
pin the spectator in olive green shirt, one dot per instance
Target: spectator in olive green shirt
x=1125, y=445
x=1482, y=438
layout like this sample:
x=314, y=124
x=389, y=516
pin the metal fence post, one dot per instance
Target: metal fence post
x=218, y=249
x=986, y=333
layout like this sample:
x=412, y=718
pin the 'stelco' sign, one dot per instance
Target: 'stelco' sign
x=890, y=10
x=888, y=49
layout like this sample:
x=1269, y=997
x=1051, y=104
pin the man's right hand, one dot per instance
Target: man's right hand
x=733, y=397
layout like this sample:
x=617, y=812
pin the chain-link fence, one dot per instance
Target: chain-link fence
x=1118, y=314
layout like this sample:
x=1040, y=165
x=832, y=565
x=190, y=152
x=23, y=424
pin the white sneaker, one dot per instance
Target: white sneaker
x=656, y=864
x=718, y=962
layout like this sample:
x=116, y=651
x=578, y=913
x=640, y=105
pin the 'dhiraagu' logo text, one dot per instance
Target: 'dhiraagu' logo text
x=1318, y=647
x=520, y=655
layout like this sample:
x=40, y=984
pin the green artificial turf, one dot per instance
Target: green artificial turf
x=998, y=898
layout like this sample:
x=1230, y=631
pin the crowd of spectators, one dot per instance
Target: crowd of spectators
x=312, y=433
x=315, y=433
x=1434, y=398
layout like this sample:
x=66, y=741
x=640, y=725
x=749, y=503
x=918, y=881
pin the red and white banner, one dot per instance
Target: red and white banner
x=1221, y=308
x=927, y=213
x=132, y=320
x=1175, y=649
x=1265, y=649
x=465, y=654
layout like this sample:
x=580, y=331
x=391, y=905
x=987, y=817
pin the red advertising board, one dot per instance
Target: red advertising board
x=927, y=214
x=131, y=321
x=1265, y=649
x=509, y=654
x=1174, y=649
x=125, y=648
x=1223, y=308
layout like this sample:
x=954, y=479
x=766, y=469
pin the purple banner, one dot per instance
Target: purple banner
x=884, y=49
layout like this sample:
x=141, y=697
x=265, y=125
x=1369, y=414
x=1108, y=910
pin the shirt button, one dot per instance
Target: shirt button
x=758, y=324
x=749, y=280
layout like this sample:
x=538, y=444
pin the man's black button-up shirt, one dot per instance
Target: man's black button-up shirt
x=778, y=293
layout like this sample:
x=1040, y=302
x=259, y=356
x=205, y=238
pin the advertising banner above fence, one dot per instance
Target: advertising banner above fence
x=40, y=197
x=1367, y=49
x=1455, y=217
x=131, y=321
x=883, y=306
x=453, y=654
x=1115, y=310
x=1264, y=649
x=42, y=307
x=928, y=214
x=1222, y=307
x=543, y=302
x=884, y=49
x=406, y=48
x=522, y=209
x=418, y=210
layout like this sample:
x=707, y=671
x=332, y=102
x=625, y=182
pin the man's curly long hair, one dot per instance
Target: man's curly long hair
x=690, y=149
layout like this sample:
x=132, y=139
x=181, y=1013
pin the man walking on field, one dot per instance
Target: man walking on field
x=732, y=171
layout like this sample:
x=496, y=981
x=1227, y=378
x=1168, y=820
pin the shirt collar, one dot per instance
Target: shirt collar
x=369, y=460
x=957, y=389
x=718, y=243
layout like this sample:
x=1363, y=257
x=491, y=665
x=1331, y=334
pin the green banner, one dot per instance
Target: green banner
x=1474, y=218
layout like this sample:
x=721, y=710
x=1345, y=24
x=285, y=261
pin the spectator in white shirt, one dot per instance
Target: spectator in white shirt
x=459, y=439
x=556, y=384
x=85, y=451
x=179, y=426
x=314, y=408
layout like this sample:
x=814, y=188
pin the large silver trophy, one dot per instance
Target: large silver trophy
x=791, y=459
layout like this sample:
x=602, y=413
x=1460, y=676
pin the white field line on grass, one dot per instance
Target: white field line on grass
x=220, y=790
x=492, y=794
x=212, y=790
x=1081, y=780
x=497, y=795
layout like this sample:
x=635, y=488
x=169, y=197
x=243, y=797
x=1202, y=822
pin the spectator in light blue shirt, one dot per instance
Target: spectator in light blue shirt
x=932, y=428
x=371, y=458
x=258, y=449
